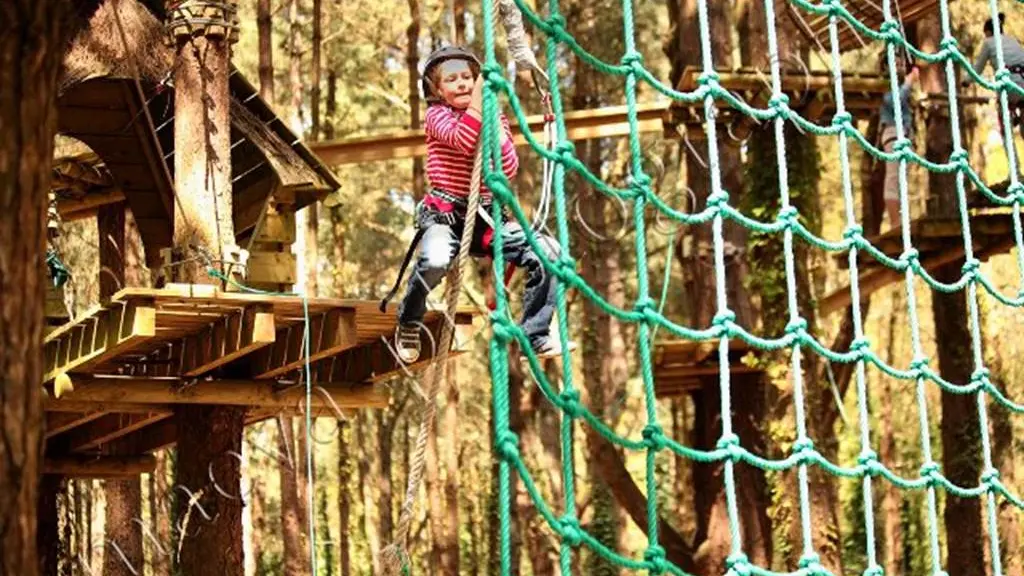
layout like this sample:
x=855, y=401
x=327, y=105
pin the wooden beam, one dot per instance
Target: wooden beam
x=228, y=339
x=145, y=440
x=98, y=337
x=63, y=405
x=105, y=429
x=580, y=125
x=330, y=333
x=259, y=393
x=272, y=268
x=71, y=210
x=59, y=422
x=99, y=467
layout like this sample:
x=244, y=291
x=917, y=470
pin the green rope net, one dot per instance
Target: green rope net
x=796, y=338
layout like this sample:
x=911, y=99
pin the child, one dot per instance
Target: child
x=453, y=87
x=887, y=130
x=1013, y=57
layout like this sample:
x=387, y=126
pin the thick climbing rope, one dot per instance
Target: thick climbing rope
x=395, y=556
x=797, y=338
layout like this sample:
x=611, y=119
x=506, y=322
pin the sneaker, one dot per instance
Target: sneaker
x=551, y=348
x=407, y=343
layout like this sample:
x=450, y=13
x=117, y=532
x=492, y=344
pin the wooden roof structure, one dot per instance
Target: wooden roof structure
x=129, y=126
x=130, y=361
x=869, y=12
x=681, y=366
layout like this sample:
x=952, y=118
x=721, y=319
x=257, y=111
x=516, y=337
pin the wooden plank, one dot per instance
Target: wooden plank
x=580, y=125
x=99, y=467
x=59, y=422
x=98, y=338
x=71, y=210
x=330, y=334
x=105, y=429
x=146, y=440
x=272, y=267
x=264, y=393
x=59, y=405
x=228, y=339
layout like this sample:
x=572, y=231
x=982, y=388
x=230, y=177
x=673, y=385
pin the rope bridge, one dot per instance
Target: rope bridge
x=647, y=316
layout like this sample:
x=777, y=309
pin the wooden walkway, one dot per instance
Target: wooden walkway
x=939, y=241
x=681, y=366
x=131, y=360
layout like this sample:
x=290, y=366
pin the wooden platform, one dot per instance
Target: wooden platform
x=681, y=366
x=869, y=12
x=810, y=94
x=132, y=360
x=938, y=242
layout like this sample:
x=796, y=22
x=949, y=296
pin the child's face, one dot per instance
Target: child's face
x=455, y=83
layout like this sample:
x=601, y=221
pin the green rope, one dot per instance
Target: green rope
x=648, y=315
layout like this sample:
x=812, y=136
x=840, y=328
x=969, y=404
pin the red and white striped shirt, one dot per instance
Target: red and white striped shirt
x=451, y=146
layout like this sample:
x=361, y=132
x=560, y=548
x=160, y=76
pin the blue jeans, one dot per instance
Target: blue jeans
x=440, y=246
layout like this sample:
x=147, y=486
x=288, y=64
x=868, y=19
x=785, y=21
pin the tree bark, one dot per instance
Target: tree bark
x=412, y=59
x=159, y=514
x=293, y=520
x=891, y=526
x=265, y=31
x=209, y=438
x=33, y=38
x=314, y=93
x=435, y=511
x=295, y=66
x=450, y=423
x=345, y=498
x=385, y=439
x=48, y=540
x=371, y=528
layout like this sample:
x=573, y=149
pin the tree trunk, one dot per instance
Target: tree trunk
x=48, y=540
x=265, y=31
x=161, y=559
x=366, y=495
x=123, y=534
x=314, y=94
x=293, y=521
x=459, y=16
x=33, y=37
x=385, y=442
x=207, y=435
x=295, y=66
x=345, y=498
x=412, y=60
x=887, y=453
x=435, y=512
x=450, y=423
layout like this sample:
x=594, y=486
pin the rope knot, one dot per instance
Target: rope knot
x=507, y=445
x=570, y=402
x=647, y=308
x=724, y=320
x=919, y=364
x=960, y=158
x=859, y=346
x=504, y=331
x=655, y=556
x=718, y=199
x=708, y=78
x=738, y=564
x=842, y=119
x=789, y=215
x=493, y=74
x=495, y=182
x=566, y=151
x=803, y=449
x=640, y=184
x=890, y=30
x=731, y=444
x=868, y=458
x=810, y=562
x=1017, y=191
x=557, y=23
x=902, y=147
x=1002, y=77
x=831, y=6
x=979, y=377
x=854, y=232
x=910, y=256
x=565, y=268
x=633, y=59
x=797, y=327
x=930, y=472
x=653, y=437
x=779, y=103
x=990, y=477
x=874, y=571
x=970, y=268
x=949, y=43
x=569, y=527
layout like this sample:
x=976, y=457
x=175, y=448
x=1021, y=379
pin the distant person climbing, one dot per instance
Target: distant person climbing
x=888, y=136
x=453, y=87
x=1013, y=57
